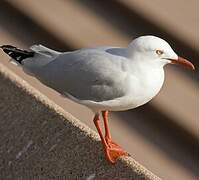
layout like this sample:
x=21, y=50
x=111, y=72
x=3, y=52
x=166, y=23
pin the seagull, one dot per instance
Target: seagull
x=102, y=78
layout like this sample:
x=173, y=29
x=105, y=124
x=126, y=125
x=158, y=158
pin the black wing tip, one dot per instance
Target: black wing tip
x=16, y=53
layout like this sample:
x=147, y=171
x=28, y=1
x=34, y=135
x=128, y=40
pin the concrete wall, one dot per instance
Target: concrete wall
x=39, y=140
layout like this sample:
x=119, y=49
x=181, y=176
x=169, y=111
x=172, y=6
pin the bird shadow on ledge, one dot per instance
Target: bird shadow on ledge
x=165, y=134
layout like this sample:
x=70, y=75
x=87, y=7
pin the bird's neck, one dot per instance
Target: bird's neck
x=149, y=80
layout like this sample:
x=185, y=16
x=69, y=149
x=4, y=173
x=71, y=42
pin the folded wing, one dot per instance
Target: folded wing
x=86, y=75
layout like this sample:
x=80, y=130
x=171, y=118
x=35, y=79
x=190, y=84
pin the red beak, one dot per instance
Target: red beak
x=183, y=62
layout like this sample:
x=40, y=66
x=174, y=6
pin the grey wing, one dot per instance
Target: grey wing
x=86, y=75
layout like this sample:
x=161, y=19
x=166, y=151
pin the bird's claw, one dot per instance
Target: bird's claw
x=113, y=151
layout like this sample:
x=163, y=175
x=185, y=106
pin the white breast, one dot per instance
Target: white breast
x=149, y=83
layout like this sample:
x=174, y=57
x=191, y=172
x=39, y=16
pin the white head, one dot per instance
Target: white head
x=155, y=51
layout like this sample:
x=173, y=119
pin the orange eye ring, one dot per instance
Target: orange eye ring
x=159, y=52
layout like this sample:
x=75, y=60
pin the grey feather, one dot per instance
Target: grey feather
x=82, y=68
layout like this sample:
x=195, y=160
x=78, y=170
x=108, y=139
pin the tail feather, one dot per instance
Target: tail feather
x=17, y=54
x=44, y=51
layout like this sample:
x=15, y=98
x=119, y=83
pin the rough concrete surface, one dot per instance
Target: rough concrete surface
x=39, y=140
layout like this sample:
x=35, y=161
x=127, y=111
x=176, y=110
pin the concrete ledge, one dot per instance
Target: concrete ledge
x=39, y=140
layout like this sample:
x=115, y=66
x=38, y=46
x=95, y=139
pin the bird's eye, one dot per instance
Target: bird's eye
x=159, y=52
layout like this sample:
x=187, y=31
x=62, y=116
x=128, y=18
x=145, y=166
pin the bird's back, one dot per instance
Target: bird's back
x=87, y=74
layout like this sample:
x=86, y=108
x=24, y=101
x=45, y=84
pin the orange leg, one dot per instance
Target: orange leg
x=97, y=125
x=112, y=150
x=107, y=131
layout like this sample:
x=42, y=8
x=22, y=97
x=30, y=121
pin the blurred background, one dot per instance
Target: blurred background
x=162, y=135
